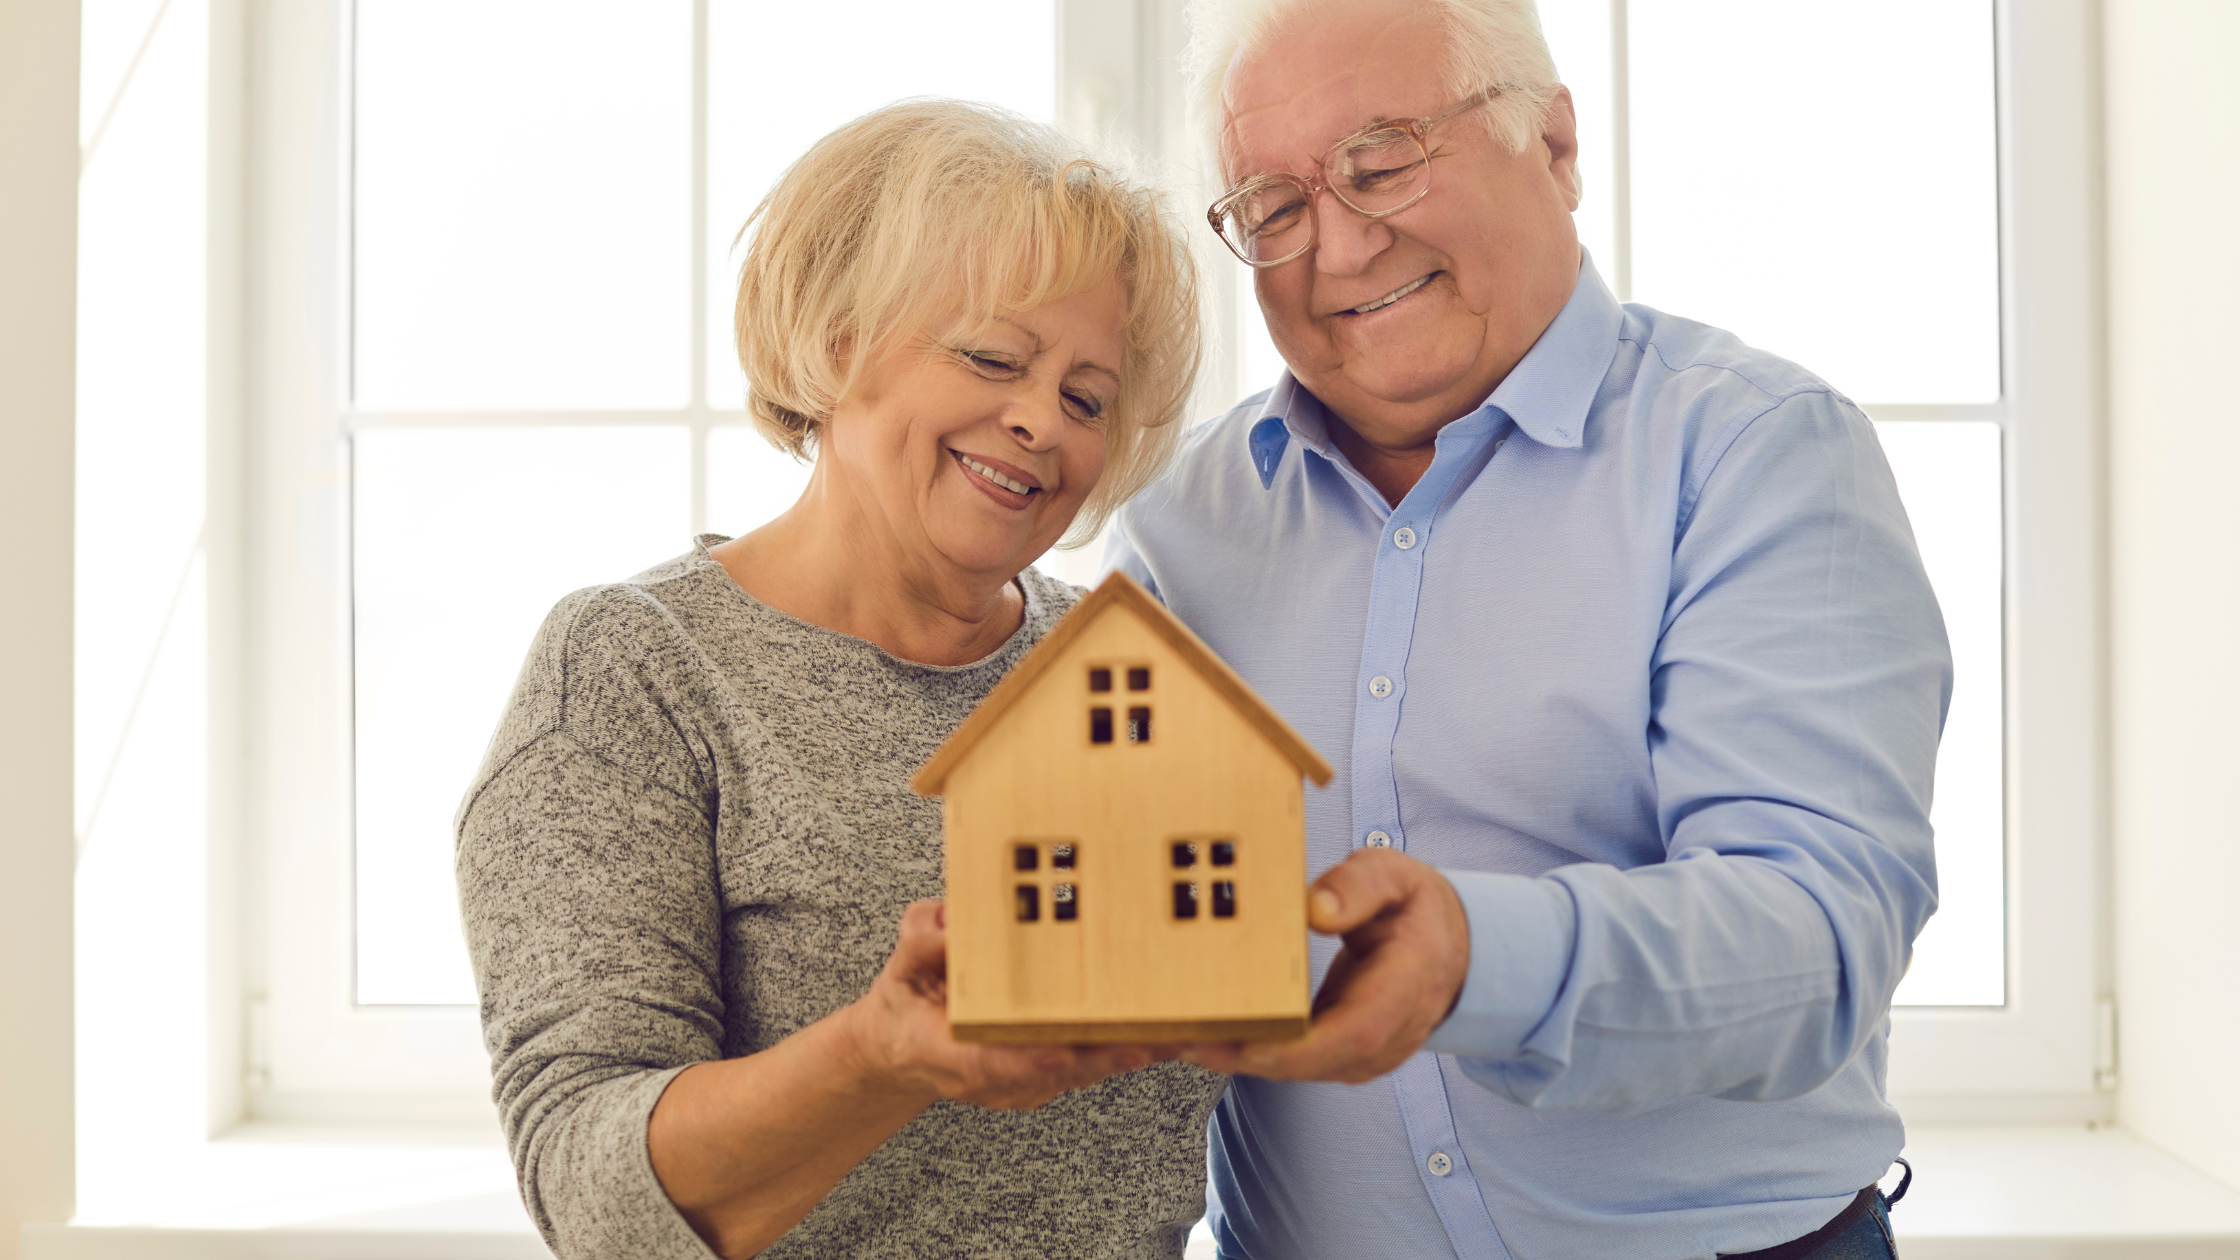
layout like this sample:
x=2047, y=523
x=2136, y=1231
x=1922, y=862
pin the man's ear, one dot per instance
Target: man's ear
x=1561, y=135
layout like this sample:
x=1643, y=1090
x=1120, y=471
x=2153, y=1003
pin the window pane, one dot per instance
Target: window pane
x=1578, y=33
x=1821, y=179
x=463, y=539
x=749, y=480
x=1259, y=364
x=524, y=186
x=782, y=75
x=1948, y=474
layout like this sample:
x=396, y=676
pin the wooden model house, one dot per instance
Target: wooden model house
x=1126, y=843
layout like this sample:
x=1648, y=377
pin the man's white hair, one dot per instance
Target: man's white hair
x=1490, y=43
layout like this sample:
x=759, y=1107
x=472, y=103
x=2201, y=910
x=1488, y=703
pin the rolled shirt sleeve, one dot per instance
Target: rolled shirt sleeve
x=1797, y=692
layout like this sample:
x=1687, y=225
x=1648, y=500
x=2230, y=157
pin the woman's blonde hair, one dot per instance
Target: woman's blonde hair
x=925, y=208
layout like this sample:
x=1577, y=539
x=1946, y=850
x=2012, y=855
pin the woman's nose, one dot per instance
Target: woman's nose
x=1039, y=423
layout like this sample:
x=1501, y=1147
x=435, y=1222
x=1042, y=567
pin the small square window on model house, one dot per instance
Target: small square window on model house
x=1100, y=679
x=1185, y=900
x=1139, y=724
x=1139, y=678
x=1224, y=899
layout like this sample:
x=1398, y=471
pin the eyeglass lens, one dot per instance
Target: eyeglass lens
x=1374, y=173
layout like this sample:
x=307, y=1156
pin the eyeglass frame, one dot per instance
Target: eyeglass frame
x=1418, y=129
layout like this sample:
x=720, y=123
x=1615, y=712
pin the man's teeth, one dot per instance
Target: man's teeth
x=1394, y=296
x=1015, y=487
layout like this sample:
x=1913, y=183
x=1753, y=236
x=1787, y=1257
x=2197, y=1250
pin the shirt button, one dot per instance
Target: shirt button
x=1379, y=840
x=1403, y=538
x=1439, y=1164
x=1380, y=686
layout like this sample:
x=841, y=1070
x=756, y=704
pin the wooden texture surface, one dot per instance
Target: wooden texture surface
x=1144, y=1032
x=1118, y=589
x=1209, y=773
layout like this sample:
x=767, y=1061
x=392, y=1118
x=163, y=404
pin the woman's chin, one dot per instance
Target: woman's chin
x=998, y=558
x=1000, y=547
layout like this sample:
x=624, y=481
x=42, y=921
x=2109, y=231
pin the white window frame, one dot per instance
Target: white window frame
x=2047, y=1054
x=314, y=1055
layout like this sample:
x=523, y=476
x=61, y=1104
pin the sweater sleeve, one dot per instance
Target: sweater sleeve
x=588, y=891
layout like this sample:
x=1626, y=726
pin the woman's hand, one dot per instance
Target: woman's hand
x=746, y=1147
x=901, y=1033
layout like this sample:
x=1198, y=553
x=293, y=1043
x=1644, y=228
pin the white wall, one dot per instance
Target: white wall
x=38, y=231
x=2173, y=179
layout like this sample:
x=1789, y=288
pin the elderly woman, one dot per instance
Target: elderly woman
x=688, y=866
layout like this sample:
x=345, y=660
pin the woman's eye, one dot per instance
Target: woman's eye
x=1086, y=405
x=989, y=363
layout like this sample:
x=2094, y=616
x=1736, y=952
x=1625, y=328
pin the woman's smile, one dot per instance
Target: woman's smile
x=1007, y=484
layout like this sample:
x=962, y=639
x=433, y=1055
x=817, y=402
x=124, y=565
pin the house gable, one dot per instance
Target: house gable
x=1115, y=593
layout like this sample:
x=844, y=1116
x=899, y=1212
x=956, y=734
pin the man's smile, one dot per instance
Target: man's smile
x=1394, y=296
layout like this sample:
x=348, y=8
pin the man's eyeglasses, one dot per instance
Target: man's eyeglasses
x=1379, y=170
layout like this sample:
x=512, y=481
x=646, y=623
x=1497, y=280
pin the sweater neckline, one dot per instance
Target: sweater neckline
x=1034, y=613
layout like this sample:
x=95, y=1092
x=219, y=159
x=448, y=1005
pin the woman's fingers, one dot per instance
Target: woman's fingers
x=921, y=950
x=1028, y=1076
x=908, y=1018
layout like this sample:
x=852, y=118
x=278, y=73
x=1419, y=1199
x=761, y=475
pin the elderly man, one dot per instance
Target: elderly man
x=1615, y=631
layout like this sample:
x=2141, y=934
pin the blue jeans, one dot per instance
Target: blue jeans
x=1868, y=1238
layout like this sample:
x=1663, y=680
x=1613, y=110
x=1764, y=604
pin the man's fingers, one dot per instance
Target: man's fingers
x=1361, y=1030
x=1356, y=891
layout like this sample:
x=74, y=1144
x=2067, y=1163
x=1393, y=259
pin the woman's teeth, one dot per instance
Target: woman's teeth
x=1394, y=296
x=1015, y=487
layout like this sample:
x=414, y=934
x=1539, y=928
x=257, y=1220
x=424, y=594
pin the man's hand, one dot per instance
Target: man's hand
x=1407, y=951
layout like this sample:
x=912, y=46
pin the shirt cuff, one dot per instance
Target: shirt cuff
x=1521, y=934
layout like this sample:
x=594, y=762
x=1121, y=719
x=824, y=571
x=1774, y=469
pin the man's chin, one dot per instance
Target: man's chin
x=1390, y=383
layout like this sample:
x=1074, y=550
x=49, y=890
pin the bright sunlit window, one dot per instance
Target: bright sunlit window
x=544, y=394
x=401, y=319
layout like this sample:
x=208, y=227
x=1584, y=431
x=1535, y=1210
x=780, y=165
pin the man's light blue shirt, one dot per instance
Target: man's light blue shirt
x=1646, y=662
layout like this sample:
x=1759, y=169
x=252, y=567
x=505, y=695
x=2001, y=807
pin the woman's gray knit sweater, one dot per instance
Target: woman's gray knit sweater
x=693, y=835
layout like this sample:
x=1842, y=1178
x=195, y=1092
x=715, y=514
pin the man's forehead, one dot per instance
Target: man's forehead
x=1326, y=71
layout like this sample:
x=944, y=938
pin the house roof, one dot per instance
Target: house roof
x=1118, y=591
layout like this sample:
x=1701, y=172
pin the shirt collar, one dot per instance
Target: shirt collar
x=1547, y=394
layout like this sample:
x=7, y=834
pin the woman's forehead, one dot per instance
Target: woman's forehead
x=1088, y=326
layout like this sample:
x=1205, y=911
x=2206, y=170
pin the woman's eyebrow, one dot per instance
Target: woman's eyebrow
x=1079, y=365
x=1091, y=365
x=1027, y=332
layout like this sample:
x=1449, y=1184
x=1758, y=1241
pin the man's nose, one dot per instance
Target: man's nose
x=1345, y=243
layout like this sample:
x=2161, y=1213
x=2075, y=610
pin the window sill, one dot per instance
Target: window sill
x=287, y=1193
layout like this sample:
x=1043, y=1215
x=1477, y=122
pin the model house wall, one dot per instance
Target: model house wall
x=1126, y=847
